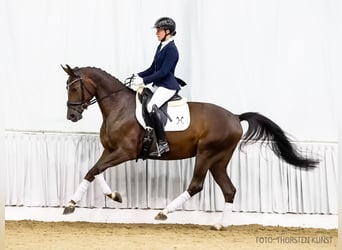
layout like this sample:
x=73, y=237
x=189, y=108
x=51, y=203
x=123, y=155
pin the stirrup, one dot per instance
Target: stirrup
x=162, y=147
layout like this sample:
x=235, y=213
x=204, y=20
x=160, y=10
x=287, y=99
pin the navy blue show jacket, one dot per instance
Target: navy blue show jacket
x=162, y=70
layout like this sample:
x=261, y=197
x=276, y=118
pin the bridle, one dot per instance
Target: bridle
x=83, y=103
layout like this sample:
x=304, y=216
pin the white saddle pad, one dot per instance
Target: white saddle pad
x=177, y=110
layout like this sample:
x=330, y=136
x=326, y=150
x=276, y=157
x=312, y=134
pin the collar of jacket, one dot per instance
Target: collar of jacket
x=166, y=42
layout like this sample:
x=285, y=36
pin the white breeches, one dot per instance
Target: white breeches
x=160, y=96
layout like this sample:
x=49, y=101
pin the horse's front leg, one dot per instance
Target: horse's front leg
x=96, y=172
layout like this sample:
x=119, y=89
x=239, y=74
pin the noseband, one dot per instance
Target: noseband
x=82, y=103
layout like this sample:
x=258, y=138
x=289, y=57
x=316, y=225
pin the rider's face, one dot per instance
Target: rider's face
x=161, y=33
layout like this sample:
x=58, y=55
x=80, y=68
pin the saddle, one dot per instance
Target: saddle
x=145, y=96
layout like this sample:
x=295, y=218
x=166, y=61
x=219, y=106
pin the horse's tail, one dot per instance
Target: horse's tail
x=260, y=128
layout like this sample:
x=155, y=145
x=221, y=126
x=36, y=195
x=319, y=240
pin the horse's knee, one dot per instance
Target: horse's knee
x=90, y=176
x=195, y=188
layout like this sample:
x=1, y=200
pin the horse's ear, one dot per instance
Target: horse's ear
x=68, y=70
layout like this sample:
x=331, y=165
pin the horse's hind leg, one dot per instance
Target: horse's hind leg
x=196, y=185
x=221, y=177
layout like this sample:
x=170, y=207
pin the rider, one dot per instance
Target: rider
x=160, y=79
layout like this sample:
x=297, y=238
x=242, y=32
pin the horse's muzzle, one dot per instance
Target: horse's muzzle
x=74, y=116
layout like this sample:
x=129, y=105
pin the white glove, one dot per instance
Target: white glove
x=137, y=80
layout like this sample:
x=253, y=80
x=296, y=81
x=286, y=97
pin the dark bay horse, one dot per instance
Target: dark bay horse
x=212, y=136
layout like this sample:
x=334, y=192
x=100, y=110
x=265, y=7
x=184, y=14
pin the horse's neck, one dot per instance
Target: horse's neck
x=114, y=96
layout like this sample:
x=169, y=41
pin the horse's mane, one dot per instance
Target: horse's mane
x=111, y=77
x=103, y=71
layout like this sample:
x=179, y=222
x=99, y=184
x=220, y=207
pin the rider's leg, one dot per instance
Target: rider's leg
x=160, y=96
x=162, y=145
x=148, y=136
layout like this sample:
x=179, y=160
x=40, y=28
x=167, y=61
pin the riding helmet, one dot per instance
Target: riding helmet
x=166, y=23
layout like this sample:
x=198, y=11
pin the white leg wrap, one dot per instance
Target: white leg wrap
x=179, y=201
x=226, y=214
x=103, y=184
x=82, y=188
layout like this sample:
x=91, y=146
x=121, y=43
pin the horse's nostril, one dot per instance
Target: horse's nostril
x=70, y=116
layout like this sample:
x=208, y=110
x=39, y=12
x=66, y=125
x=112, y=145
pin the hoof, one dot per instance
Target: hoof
x=69, y=210
x=161, y=216
x=115, y=197
x=216, y=227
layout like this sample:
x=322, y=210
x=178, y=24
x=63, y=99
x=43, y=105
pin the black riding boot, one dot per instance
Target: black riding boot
x=148, y=136
x=147, y=143
x=162, y=145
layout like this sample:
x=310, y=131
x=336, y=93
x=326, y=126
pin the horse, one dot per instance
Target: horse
x=212, y=136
